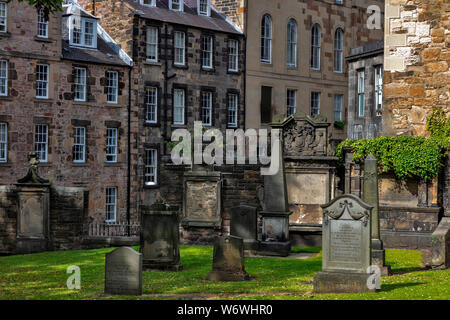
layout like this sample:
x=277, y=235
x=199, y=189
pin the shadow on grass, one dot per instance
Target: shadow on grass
x=395, y=286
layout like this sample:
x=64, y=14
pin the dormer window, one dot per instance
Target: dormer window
x=204, y=7
x=83, y=32
x=176, y=5
x=150, y=3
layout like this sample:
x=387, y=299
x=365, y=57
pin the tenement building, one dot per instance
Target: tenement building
x=295, y=55
x=64, y=94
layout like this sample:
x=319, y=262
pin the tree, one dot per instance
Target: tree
x=49, y=5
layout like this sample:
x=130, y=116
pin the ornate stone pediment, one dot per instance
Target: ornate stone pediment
x=347, y=204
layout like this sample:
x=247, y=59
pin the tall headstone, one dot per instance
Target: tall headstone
x=228, y=260
x=160, y=237
x=275, y=217
x=346, y=247
x=123, y=272
x=370, y=196
x=244, y=224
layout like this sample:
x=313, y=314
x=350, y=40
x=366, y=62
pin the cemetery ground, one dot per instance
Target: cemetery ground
x=43, y=276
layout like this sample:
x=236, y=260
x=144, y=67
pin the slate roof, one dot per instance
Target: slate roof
x=189, y=17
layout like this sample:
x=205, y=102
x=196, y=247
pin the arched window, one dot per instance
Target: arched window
x=291, y=58
x=338, y=50
x=315, y=47
x=266, y=39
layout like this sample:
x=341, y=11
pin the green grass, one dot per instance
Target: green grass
x=43, y=276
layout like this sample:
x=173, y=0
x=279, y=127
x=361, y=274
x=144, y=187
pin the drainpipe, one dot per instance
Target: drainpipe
x=166, y=85
x=129, y=153
x=245, y=62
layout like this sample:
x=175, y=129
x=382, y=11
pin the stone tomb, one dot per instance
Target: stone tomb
x=123, y=272
x=244, y=224
x=228, y=260
x=346, y=246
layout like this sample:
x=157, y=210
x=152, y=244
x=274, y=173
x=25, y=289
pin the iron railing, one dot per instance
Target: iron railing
x=112, y=229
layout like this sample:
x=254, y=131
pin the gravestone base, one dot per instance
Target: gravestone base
x=149, y=265
x=341, y=282
x=251, y=246
x=26, y=246
x=278, y=249
x=378, y=259
x=222, y=276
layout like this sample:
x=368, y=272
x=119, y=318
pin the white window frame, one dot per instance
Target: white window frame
x=152, y=42
x=338, y=106
x=3, y=78
x=315, y=103
x=82, y=21
x=179, y=100
x=358, y=133
x=207, y=52
x=338, y=51
x=42, y=80
x=112, y=86
x=151, y=4
x=291, y=102
x=151, y=167
x=291, y=44
x=266, y=39
x=233, y=55
x=3, y=17
x=111, y=204
x=79, y=89
x=79, y=144
x=112, y=139
x=179, y=3
x=41, y=144
x=201, y=12
x=42, y=26
x=3, y=142
x=316, y=43
x=179, y=43
x=361, y=92
x=206, y=107
x=151, y=105
x=233, y=108
x=378, y=90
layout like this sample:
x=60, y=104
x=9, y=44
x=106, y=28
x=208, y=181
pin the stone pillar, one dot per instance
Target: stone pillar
x=370, y=196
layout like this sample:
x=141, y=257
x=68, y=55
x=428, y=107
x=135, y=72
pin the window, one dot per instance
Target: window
x=361, y=93
x=150, y=3
x=291, y=102
x=338, y=50
x=233, y=55
x=206, y=108
x=42, y=81
x=80, y=84
x=378, y=89
x=152, y=44
x=204, y=7
x=180, y=48
x=315, y=47
x=111, y=204
x=151, y=167
x=151, y=105
x=338, y=99
x=176, y=5
x=3, y=17
x=83, y=32
x=357, y=132
x=315, y=103
x=112, y=86
x=233, y=110
x=266, y=39
x=291, y=49
x=41, y=142
x=111, y=145
x=3, y=142
x=207, y=52
x=339, y=1
x=42, y=24
x=79, y=144
x=266, y=104
x=3, y=78
x=178, y=106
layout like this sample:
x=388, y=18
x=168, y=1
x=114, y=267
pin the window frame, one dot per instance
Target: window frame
x=317, y=94
x=44, y=143
x=4, y=142
x=177, y=46
x=233, y=57
x=42, y=22
x=378, y=90
x=153, y=4
x=153, y=165
x=80, y=87
x=338, y=51
x=361, y=92
x=206, y=13
x=81, y=144
x=316, y=47
x=183, y=107
x=4, y=19
x=210, y=108
x=41, y=81
x=5, y=78
x=266, y=39
x=288, y=99
x=114, y=86
x=234, y=110
x=341, y=107
x=83, y=21
x=291, y=44
x=180, y=3
x=112, y=146
x=149, y=105
x=207, y=54
x=152, y=42
x=111, y=195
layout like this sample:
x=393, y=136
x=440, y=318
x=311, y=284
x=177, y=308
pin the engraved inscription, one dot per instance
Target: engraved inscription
x=345, y=241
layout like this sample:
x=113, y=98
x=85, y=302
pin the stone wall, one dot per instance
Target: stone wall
x=416, y=64
x=8, y=219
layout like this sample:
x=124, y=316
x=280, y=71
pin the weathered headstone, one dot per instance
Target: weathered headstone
x=346, y=246
x=123, y=272
x=228, y=260
x=370, y=196
x=244, y=224
x=160, y=237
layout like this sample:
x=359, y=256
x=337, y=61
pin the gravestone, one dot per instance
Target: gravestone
x=370, y=196
x=346, y=247
x=160, y=237
x=244, y=224
x=123, y=272
x=228, y=260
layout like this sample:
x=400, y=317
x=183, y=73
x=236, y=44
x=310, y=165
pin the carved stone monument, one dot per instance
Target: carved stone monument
x=346, y=247
x=228, y=260
x=33, y=193
x=370, y=196
x=160, y=237
x=244, y=224
x=123, y=272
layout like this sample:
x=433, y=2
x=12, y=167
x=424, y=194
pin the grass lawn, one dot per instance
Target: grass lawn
x=43, y=276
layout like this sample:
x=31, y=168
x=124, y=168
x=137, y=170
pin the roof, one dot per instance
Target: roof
x=189, y=17
x=368, y=50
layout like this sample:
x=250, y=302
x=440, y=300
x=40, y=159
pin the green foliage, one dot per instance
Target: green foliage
x=339, y=124
x=438, y=124
x=50, y=5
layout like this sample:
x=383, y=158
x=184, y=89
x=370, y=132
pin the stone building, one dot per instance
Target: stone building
x=295, y=55
x=65, y=94
x=365, y=104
